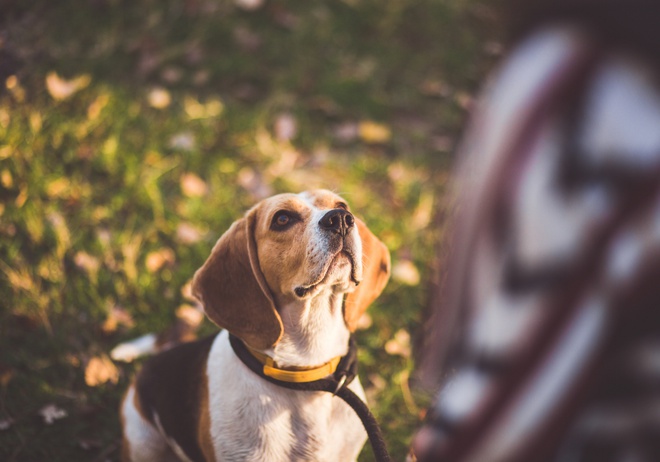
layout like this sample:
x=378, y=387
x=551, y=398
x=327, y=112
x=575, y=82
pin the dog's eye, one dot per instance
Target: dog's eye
x=282, y=220
x=341, y=205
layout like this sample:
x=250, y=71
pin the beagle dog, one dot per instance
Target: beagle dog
x=290, y=280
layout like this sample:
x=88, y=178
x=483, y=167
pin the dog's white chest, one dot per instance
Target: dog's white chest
x=253, y=420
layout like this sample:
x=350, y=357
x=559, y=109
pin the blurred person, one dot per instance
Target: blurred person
x=545, y=338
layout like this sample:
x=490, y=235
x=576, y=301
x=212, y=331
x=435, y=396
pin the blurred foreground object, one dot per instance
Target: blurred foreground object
x=546, y=335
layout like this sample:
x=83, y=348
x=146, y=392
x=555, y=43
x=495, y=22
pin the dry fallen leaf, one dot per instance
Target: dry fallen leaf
x=50, y=413
x=185, y=141
x=188, y=234
x=186, y=291
x=109, y=325
x=286, y=127
x=364, y=322
x=159, y=258
x=117, y=317
x=94, y=109
x=159, y=98
x=60, y=188
x=123, y=317
x=11, y=82
x=197, y=110
x=399, y=345
x=190, y=315
x=15, y=88
x=101, y=370
x=6, y=179
x=347, y=132
x=192, y=185
x=373, y=133
x=405, y=272
x=22, y=197
x=61, y=89
x=253, y=182
x=72, y=360
x=423, y=213
x=86, y=261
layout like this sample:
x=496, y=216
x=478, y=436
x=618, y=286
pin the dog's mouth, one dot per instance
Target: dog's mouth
x=304, y=290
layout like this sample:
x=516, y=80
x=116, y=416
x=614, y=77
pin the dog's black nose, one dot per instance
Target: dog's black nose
x=339, y=221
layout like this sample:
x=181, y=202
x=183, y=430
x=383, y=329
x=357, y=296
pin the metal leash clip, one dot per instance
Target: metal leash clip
x=340, y=384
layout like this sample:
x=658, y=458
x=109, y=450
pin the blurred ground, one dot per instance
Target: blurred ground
x=133, y=133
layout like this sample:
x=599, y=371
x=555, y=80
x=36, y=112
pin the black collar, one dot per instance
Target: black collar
x=343, y=375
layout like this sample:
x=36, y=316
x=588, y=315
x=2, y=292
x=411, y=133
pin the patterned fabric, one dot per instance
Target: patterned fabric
x=548, y=332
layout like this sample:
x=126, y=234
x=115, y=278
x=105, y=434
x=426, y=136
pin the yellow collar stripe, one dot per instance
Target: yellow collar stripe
x=295, y=374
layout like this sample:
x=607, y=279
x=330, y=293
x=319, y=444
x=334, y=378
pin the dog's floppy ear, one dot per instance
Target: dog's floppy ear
x=233, y=289
x=375, y=274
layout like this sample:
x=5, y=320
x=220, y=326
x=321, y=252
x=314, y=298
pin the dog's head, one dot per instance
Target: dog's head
x=290, y=247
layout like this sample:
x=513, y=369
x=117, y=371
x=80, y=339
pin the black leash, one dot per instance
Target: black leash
x=335, y=384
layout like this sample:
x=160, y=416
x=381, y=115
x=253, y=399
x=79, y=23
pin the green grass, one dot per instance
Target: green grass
x=91, y=184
